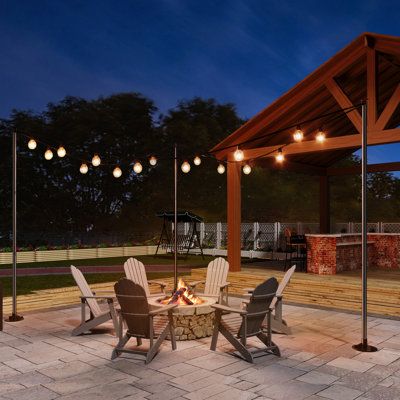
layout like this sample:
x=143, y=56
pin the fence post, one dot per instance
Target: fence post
x=202, y=233
x=277, y=230
x=256, y=228
x=381, y=227
x=219, y=234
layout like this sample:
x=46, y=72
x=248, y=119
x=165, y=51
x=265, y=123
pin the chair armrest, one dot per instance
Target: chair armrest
x=229, y=309
x=279, y=296
x=98, y=297
x=153, y=282
x=195, y=283
x=163, y=309
x=224, y=285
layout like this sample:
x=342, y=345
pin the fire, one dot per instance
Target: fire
x=183, y=296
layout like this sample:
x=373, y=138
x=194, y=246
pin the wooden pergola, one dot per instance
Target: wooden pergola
x=367, y=70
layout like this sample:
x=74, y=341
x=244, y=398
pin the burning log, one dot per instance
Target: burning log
x=177, y=295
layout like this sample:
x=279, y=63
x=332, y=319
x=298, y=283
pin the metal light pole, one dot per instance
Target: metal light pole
x=175, y=217
x=14, y=316
x=364, y=346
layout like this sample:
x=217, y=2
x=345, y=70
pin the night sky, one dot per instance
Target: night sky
x=245, y=52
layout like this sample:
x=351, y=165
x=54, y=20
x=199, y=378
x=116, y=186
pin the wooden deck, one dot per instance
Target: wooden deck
x=342, y=291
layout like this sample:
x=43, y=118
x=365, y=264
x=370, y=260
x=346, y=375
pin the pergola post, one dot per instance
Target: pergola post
x=324, y=205
x=234, y=215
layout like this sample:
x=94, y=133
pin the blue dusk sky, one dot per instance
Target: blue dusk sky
x=245, y=52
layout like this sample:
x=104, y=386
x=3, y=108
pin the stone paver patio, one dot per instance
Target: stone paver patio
x=40, y=360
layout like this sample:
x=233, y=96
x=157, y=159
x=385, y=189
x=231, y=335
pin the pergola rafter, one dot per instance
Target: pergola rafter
x=368, y=69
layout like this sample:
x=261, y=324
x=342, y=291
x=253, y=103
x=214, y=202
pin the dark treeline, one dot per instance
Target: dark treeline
x=55, y=198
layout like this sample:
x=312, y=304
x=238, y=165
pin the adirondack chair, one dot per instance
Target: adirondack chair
x=278, y=324
x=248, y=322
x=135, y=312
x=216, y=284
x=90, y=299
x=135, y=271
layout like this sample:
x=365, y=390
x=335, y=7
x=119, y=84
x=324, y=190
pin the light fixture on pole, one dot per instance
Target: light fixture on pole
x=364, y=346
x=32, y=144
x=221, y=169
x=238, y=155
x=14, y=317
x=176, y=216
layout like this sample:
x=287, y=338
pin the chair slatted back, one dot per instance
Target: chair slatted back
x=134, y=307
x=85, y=291
x=217, y=273
x=258, y=305
x=135, y=271
x=283, y=284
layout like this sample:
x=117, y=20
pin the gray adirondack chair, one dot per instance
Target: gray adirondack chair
x=89, y=299
x=135, y=271
x=237, y=325
x=140, y=320
x=216, y=284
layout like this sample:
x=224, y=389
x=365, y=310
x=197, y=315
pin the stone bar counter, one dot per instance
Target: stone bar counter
x=328, y=254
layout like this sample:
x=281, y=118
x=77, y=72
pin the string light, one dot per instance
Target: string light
x=197, y=160
x=298, y=135
x=96, y=161
x=83, y=169
x=32, y=144
x=280, y=157
x=247, y=169
x=221, y=169
x=185, y=167
x=137, y=167
x=61, y=152
x=321, y=136
x=153, y=160
x=238, y=155
x=117, y=172
x=48, y=155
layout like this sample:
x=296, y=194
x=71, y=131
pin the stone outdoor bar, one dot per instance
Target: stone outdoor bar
x=328, y=254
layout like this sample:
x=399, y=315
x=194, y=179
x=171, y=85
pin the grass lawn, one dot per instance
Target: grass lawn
x=191, y=261
x=28, y=284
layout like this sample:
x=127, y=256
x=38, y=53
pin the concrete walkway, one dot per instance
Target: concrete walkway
x=40, y=360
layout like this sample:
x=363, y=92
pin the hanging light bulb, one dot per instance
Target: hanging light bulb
x=32, y=144
x=96, y=161
x=280, y=157
x=298, y=135
x=185, y=167
x=197, y=160
x=61, y=152
x=117, y=172
x=83, y=169
x=221, y=169
x=137, y=167
x=48, y=155
x=153, y=160
x=247, y=169
x=321, y=136
x=238, y=155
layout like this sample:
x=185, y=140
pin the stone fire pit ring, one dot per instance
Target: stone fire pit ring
x=191, y=321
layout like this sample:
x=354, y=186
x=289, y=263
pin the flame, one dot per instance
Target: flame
x=186, y=292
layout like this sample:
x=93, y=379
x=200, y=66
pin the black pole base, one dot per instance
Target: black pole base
x=365, y=347
x=14, y=318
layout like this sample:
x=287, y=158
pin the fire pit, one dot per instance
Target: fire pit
x=194, y=316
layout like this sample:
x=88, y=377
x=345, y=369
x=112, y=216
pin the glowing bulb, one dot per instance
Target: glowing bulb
x=280, y=157
x=238, y=155
x=197, y=160
x=117, y=172
x=137, y=167
x=61, y=152
x=83, y=169
x=298, y=135
x=320, y=138
x=32, y=144
x=221, y=169
x=153, y=160
x=96, y=161
x=185, y=167
x=48, y=155
x=246, y=169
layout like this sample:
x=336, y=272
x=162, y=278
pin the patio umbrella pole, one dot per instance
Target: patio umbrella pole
x=175, y=217
x=364, y=346
x=14, y=316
